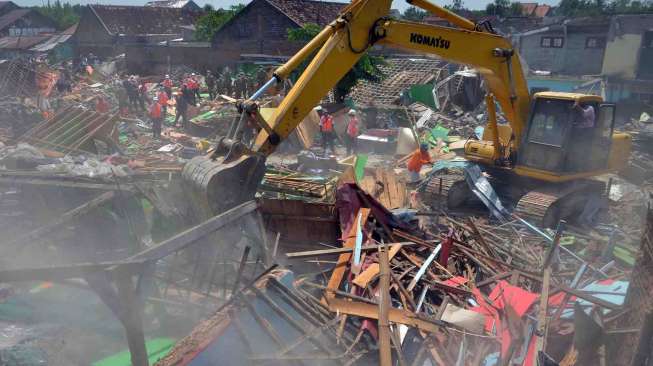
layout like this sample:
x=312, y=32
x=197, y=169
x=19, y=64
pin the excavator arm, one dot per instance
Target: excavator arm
x=365, y=23
x=234, y=171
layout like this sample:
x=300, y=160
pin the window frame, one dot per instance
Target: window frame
x=551, y=42
x=600, y=42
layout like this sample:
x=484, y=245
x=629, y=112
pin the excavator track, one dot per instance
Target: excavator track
x=539, y=207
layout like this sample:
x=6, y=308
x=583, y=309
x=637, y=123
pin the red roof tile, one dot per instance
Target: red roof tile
x=140, y=20
x=308, y=11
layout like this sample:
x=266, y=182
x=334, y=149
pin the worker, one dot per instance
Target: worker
x=141, y=96
x=241, y=86
x=163, y=100
x=352, y=132
x=261, y=77
x=194, y=87
x=101, y=105
x=226, y=83
x=182, y=108
x=156, y=117
x=587, y=114
x=123, y=100
x=167, y=86
x=326, y=129
x=210, y=84
x=417, y=159
x=132, y=94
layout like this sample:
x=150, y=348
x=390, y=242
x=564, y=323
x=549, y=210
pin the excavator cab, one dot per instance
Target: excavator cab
x=567, y=135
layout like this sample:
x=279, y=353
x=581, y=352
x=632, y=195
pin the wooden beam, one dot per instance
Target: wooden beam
x=60, y=220
x=185, y=238
x=55, y=273
x=62, y=183
x=315, y=253
x=372, y=312
x=385, y=351
x=350, y=240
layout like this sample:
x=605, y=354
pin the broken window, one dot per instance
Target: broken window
x=594, y=42
x=551, y=42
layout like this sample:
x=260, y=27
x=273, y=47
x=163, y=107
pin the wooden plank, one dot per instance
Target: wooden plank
x=60, y=220
x=385, y=353
x=341, y=265
x=197, y=232
x=366, y=276
x=372, y=312
x=315, y=253
x=77, y=270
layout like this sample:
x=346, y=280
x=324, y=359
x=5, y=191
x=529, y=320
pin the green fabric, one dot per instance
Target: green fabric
x=422, y=93
x=359, y=166
x=624, y=255
x=439, y=132
x=156, y=349
x=203, y=116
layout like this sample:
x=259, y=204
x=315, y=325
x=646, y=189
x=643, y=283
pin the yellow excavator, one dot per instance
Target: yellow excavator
x=542, y=154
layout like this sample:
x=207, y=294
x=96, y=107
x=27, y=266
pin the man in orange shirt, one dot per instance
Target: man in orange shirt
x=326, y=129
x=163, y=100
x=417, y=159
x=167, y=86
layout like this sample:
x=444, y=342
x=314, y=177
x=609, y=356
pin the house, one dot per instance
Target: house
x=24, y=22
x=571, y=47
x=628, y=62
x=57, y=46
x=262, y=26
x=104, y=30
x=188, y=5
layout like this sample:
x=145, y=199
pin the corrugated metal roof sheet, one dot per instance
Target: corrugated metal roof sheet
x=51, y=43
x=21, y=43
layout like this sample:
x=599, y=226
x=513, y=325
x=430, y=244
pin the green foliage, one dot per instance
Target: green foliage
x=414, y=14
x=582, y=8
x=64, y=15
x=503, y=8
x=208, y=24
x=367, y=67
x=457, y=6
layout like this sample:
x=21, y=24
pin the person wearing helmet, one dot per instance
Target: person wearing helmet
x=326, y=129
x=419, y=157
x=352, y=132
x=156, y=116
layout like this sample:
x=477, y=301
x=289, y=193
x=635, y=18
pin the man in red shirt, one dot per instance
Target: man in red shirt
x=417, y=159
x=167, y=86
x=352, y=132
x=163, y=100
x=326, y=129
x=157, y=118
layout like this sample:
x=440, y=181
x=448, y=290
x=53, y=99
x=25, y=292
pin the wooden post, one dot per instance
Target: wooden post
x=540, y=344
x=385, y=352
x=131, y=318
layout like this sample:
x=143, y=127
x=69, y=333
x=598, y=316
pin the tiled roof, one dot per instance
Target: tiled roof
x=400, y=74
x=528, y=8
x=308, y=11
x=542, y=11
x=11, y=17
x=140, y=20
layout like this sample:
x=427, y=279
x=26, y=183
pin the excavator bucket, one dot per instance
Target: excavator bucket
x=219, y=186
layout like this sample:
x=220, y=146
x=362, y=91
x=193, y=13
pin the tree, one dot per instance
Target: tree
x=503, y=8
x=208, y=24
x=367, y=67
x=414, y=14
x=64, y=15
